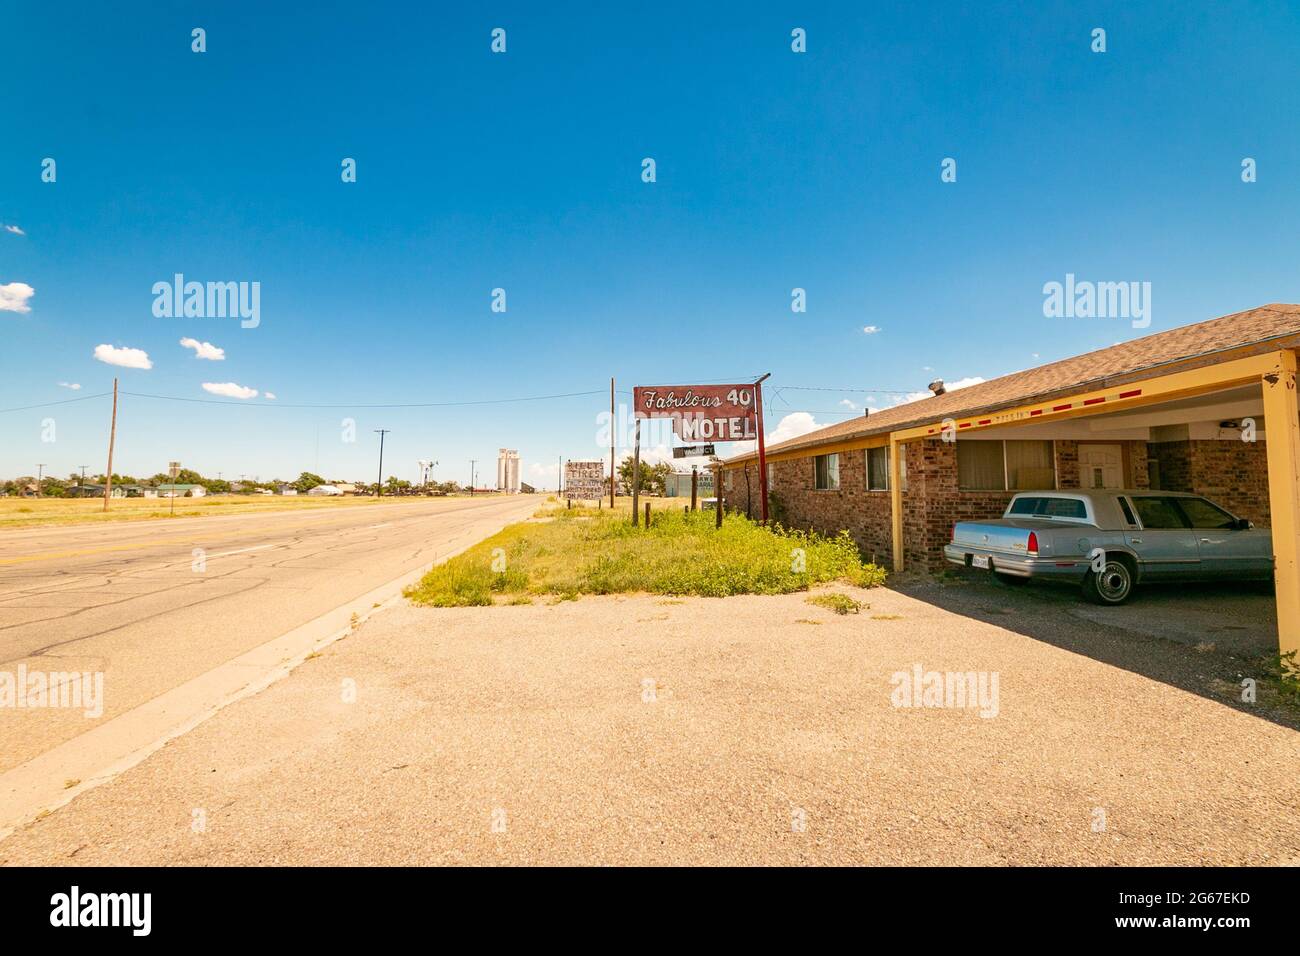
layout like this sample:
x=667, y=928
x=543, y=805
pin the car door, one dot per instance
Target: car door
x=1227, y=550
x=1164, y=544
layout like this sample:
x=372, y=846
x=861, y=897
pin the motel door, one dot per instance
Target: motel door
x=1101, y=466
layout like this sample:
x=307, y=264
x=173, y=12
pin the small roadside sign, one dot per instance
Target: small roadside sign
x=692, y=451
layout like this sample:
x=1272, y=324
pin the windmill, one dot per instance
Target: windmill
x=426, y=468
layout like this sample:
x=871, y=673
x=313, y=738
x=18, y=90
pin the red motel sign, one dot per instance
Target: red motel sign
x=701, y=413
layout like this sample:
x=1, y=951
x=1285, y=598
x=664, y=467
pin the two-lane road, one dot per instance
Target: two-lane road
x=151, y=605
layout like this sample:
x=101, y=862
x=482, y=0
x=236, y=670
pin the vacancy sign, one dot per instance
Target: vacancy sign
x=701, y=413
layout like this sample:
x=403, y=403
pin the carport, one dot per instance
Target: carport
x=1225, y=394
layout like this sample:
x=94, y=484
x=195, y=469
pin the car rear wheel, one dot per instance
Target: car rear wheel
x=1112, y=585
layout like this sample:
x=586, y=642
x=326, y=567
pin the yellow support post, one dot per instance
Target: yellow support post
x=1282, y=442
x=896, y=501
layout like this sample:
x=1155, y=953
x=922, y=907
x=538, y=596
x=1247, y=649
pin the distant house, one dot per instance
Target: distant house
x=91, y=490
x=678, y=484
x=347, y=488
x=321, y=491
x=169, y=490
x=287, y=490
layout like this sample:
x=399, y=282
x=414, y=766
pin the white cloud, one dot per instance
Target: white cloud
x=851, y=405
x=230, y=389
x=270, y=395
x=792, y=426
x=15, y=230
x=14, y=296
x=72, y=385
x=204, y=350
x=544, y=472
x=652, y=456
x=127, y=358
x=871, y=329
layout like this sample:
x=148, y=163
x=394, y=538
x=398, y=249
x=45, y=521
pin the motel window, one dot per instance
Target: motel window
x=1030, y=466
x=878, y=469
x=979, y=466
x=826, y=472
x=1005, y=465
x=730, y=474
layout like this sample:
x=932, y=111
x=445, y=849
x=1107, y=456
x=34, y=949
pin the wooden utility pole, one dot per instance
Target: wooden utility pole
x=379, y=487
x=636, y=471
x=762, y=446
x=611, y=441
x=695, y=486
x=112, y=437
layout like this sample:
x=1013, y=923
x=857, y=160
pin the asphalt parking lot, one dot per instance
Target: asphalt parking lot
x=747, y=730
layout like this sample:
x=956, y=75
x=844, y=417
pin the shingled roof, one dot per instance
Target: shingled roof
x=1256, y=330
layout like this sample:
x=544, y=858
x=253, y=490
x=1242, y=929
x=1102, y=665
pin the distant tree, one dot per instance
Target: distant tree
x=307, y=481
x=659, y=478
x=625, y=476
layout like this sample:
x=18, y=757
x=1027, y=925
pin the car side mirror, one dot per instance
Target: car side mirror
x=1243, y=525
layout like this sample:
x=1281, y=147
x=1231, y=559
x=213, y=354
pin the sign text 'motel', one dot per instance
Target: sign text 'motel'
x=701, y=412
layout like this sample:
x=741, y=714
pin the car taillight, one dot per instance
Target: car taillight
x=1033, y=543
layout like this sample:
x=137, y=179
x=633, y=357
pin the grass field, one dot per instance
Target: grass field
x=43, y=512
x=565, y=553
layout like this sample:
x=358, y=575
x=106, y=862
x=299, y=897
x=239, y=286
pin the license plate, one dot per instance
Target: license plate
x=979, y=561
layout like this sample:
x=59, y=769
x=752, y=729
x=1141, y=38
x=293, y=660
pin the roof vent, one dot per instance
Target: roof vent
x=937, y=387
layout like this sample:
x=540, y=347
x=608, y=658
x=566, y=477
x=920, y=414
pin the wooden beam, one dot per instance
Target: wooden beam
x=896, y=502
x=1149, y=391
x=1282, y=416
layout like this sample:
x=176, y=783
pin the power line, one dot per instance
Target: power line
x=66, y=401
x=848, y=388
x=487, y=401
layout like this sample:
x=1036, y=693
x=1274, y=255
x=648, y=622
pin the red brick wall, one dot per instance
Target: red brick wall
x=1231, y=472
x=1175, y=460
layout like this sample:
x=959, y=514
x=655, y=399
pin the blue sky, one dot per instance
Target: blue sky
x=522, y=171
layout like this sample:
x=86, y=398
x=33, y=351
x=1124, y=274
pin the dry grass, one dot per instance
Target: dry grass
x=44, y=512
x=577, y=551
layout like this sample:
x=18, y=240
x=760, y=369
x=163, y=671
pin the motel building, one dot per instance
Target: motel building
x=1209, y=408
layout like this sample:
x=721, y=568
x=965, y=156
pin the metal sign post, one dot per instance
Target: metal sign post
x=762, y=445
x=636, y=473
x=173, y=469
